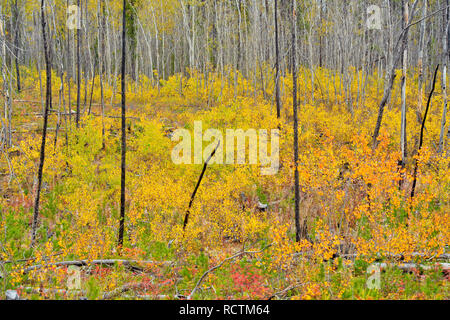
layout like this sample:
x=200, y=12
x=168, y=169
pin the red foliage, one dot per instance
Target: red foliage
x=249, y=282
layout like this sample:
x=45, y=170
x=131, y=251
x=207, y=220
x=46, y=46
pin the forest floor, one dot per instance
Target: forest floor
x=367, y=238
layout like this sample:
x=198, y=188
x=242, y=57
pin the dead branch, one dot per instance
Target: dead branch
x=284, y=291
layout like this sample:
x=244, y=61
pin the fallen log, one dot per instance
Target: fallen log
x=353, y=256
x=108, y=262
x=107, y=295
x=411, y=267
x=51, y=291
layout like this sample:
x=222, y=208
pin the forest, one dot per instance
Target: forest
x=224, y=150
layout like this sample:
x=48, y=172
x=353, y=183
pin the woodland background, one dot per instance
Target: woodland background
x=92, y=206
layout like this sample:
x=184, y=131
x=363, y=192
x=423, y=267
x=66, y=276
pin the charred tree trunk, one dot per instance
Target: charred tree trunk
x=300, y=232
x=15, y=12
x=420, y=59
x=123, y=155
x=422, y=128
x=77, y=118
x=48, y=105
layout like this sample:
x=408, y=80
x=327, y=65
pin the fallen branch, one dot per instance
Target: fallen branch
x=410, y=267
x=284, y=291
x=51, y=291
x=123, y=289
x=444, y=256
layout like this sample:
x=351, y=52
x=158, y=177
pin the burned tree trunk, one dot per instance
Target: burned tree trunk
x=403, y=139
x=48, y=105
x=277, y=63
x=299, y=232
x=124, y=144
x=77, y=118
x=422, y=128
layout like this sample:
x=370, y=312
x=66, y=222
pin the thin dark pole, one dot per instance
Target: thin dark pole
x=298, y=231
x=186, y=217
x=77, y=117
x=48, y=103
x=124, y=144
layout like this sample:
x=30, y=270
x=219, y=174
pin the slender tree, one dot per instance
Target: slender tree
x=396, y=57
x=124, y=143
x=445, y=57
x=101, y=49
x=422, y=128
x=277, y=62
x=300, y=232
x=48, y=105
x=403, y=141
x=77, y=117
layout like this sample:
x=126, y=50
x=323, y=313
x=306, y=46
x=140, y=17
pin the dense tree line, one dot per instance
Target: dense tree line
x=157, y=39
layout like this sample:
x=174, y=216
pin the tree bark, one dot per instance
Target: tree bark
x=277, y=63
x=445, y=57
x=300, y=232
x=48, y=106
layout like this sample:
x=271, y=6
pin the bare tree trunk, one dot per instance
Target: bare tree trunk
x=77, y=118
x=48, y=105
x=422, y=128
x=403, y=138
x=445, y=57
x=420, y=60
x=101, y=49
x=123, y=156
x=389, y=82
x=6, y=77
x=300, y=232
x=277, y=63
